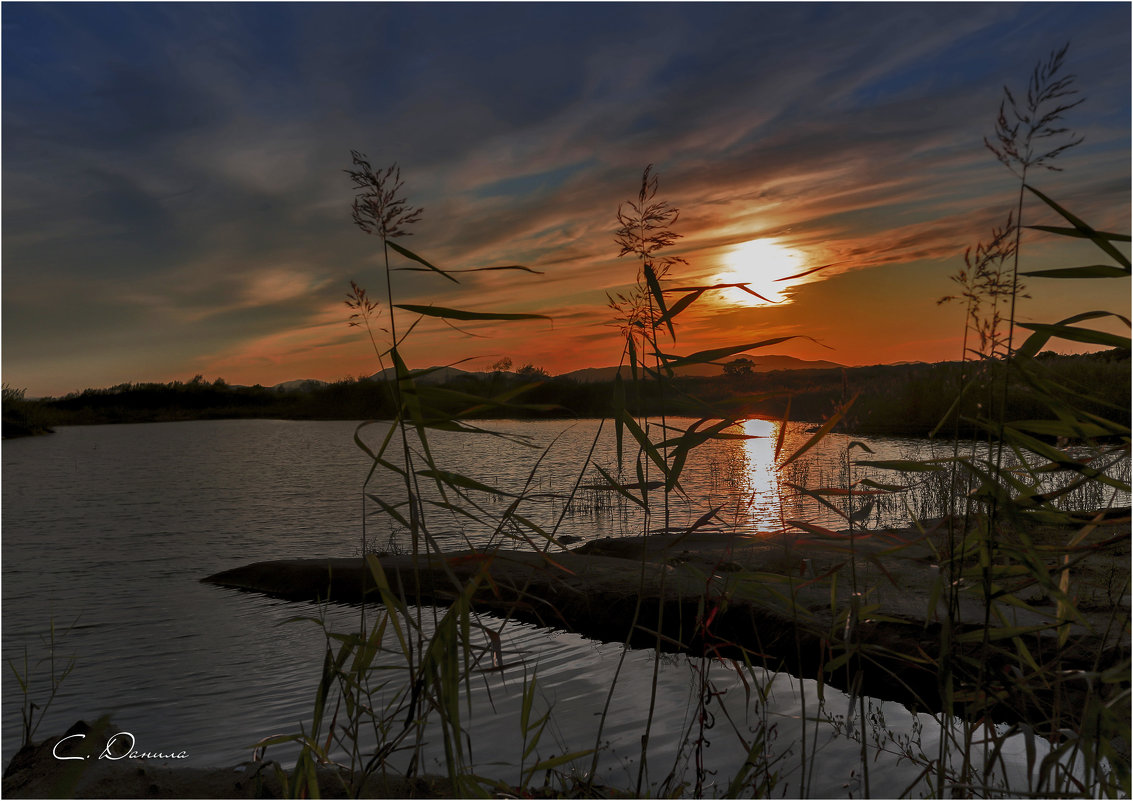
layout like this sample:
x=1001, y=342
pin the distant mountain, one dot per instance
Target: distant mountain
x=439, y=375
x=299, y=383
x=763, y=364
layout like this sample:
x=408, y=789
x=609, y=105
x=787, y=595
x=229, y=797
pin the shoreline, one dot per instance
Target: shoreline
x=766, y=599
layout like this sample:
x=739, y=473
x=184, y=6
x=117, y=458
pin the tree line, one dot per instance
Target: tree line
x=908, y=399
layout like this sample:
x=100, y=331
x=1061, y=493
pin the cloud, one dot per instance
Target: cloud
x=178, y=169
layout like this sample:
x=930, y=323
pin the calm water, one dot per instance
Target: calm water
x=108, y=530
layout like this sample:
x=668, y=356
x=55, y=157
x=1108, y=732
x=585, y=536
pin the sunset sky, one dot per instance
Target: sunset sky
x=175, y=201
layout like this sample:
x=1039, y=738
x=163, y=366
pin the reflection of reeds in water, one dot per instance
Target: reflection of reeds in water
x=595, y=501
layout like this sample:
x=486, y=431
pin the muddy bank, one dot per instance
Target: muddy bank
x=785, y=603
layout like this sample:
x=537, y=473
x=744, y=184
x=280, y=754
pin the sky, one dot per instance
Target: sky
x=175, y=201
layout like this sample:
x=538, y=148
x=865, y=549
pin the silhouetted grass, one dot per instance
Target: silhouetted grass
x=1026, y=519
x=1021, y=639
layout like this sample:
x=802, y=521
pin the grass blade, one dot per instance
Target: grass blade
x=646, y=445
x=818, y=435
x=659, y=296
x=1044, y=332
x=462, y=314
x=1089, y=271
x=782, y=429
x=804, y=273
x=474, y=269
x=1085, y=231
x=456, y=480
x=680, y=306
x=714, y=354
x=411, y=255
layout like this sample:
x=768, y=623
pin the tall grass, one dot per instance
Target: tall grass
x=1001, y=492
x=50, y=669
x=1024, y=513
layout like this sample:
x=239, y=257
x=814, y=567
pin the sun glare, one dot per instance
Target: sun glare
x=759, y=263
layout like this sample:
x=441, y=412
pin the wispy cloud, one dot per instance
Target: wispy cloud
x=173, y=189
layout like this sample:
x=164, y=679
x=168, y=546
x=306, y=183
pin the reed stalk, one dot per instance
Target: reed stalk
x=997, y=498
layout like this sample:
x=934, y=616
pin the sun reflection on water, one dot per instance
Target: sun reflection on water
x=762, y=497
x=761, y=474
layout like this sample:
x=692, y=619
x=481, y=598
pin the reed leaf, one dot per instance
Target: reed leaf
x=691, y=437
x=389, y=600
x=705, y=519
x=905, y=465
x=548, y=764
x=709, y=356
x=390, y=510
x=620, y=489
x=782, y=429
x=411, y=255
x=1046, y=331
x=1072, y=429
x=457, y=510
x=366, y=448
x=631, y=351
x=999, y=633
x=814, y=528
x=804, y=273
x=1102, y=240
x=823, y=430
x=645, y=444
x=869, y=482
x=679, y=306
x=659, y=296
x=458, y=481
x=519, y=267
x=750, y=291
x=619, y=408
x=804, y=491
x=1089, y=271
x=462, y=314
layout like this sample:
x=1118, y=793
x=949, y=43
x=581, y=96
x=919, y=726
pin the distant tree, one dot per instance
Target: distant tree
x=531, y=372
x=742, y=367
x=501, y=365
x=21, y=417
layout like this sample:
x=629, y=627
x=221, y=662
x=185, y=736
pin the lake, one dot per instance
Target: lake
x=107, y=531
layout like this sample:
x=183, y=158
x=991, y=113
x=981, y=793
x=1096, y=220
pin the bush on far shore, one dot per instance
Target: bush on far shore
x=900, y=399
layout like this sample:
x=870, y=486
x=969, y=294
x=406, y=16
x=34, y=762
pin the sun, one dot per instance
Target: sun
x=759, y=263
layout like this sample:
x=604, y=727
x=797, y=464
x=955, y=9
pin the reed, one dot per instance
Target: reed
x=1012, y=526
x=50, y=669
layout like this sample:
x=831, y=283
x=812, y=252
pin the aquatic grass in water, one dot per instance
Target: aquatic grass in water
x=752, y=723
x=36, y=702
